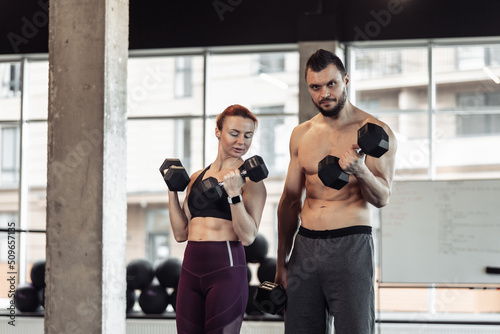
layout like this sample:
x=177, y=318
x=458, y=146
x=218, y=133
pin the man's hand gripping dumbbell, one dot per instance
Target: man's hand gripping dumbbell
x=372, y=141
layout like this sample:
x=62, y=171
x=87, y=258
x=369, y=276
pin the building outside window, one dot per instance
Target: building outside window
x=9, y=172
x=270, y=63
x=11, y=80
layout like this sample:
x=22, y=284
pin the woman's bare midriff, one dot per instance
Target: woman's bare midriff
x=211, y=229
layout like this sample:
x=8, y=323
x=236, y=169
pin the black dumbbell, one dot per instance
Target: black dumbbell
x=270, y=297
x=254, y=168
x=372, y=140
x=174, y=174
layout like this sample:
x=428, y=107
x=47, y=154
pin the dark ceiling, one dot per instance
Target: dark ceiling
x=176, y=24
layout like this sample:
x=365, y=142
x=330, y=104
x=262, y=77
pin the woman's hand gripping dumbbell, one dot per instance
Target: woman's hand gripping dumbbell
x=174, y=174
x=254, y=168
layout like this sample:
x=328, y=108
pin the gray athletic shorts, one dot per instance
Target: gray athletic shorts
x=330, y=275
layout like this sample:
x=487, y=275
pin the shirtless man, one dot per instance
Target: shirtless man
x=330, y=271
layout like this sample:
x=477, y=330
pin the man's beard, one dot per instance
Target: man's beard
x=336, y=109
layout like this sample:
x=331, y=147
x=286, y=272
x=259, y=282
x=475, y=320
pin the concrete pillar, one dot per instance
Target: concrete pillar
x=307, y=110
x=86, y=189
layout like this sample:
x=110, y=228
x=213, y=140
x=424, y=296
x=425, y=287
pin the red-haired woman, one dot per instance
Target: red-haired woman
x=213, y=288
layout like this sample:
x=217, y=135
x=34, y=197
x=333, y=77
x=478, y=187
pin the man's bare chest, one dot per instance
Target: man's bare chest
x=315, y=145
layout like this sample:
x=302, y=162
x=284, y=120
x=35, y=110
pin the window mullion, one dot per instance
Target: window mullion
x=23, y=175
x=432, y=110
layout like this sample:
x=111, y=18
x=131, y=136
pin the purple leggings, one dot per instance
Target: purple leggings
x=213, y=288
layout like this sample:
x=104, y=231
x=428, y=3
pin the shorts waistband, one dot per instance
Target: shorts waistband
x=340, y=232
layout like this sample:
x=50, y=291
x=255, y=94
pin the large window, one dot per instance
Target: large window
x=439, y=109
x=173, y=100
x=393, y=83
x=23, y=156
x=267, y=84
x=442, y=101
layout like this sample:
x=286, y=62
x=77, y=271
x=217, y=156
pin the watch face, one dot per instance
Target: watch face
x=234, y=200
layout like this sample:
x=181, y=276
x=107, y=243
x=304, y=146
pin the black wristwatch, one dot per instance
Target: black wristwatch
x=235, y=199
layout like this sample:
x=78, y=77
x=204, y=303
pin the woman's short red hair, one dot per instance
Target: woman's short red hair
x=235, y=110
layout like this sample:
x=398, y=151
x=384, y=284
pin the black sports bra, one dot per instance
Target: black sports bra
x=200, y=206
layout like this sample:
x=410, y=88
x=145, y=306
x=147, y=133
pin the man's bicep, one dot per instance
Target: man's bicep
x=383, y=167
